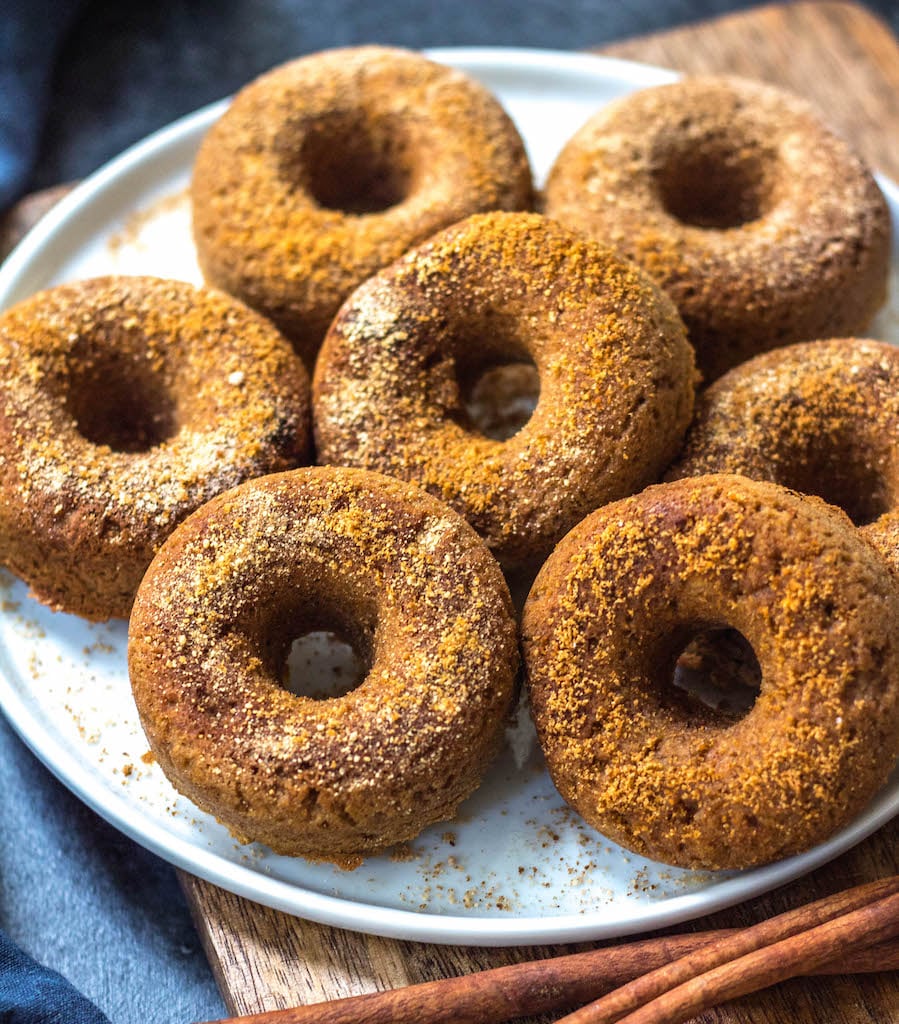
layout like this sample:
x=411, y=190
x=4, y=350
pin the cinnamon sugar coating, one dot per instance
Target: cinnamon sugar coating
x=125, y=403
x=616, y=377
x=405, y=580
x=666, y=776
x=762, y=225
x=820, y=417
x=328, y=168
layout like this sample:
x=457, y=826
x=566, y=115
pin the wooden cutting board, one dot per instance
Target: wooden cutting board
x=847, y=62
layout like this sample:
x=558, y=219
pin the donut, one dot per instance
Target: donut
x=760, y=223
x=125, y=403
x=615, y=376
x=820, y=417
x=663, y=774
x=329, y=167
x=393, y=571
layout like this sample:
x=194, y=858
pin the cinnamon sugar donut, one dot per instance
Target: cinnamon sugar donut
x=820, y=417
x=125, y=403
x=761, y=224
x=392, y=570
x=671, y=779
x=328, y=168
x=615, y=372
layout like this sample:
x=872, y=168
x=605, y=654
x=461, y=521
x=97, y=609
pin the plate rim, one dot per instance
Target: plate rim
x=339, y=911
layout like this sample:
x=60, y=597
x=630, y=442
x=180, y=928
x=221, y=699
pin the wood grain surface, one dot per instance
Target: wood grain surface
x=845, y=61
x=838, y=55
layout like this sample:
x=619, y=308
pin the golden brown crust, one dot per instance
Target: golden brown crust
x=125, y=403
x=615, y=605
x=405, y=579
x=820, y=417
x=616, y=377
x=761, y=224
x=328, y=168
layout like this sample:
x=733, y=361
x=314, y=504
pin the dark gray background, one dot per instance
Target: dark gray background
x=73, y=892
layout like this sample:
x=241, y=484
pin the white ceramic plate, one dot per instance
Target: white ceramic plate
x=517, y=866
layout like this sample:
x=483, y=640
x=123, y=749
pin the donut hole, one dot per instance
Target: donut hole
x=121, y=404
x=714, y=183
x=482, y=373
x=717, y=670
x=500, y=399
x=323, y=664
x=314, y=642
x=353, y=165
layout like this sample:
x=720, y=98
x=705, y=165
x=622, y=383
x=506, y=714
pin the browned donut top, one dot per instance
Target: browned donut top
x=821, y=417
x=616, y=376
x=328, y=168
x=127, y=402
x=386, y=565
x=612, y=609
x=736, y=198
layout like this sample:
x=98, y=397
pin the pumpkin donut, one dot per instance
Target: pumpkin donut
x=615, y=375
x=820, y=417
x=760, y=223
x=386, y=566
x=125, y=403
x=328, y=168
x=667, y=776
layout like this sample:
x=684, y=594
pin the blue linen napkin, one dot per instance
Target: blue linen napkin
x=32, y=994
x=31, y=32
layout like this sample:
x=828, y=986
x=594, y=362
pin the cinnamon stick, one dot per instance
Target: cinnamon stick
x=505, y=993
x=499, y=994
x=557, y=983
x=860, y=917
x=771, y=964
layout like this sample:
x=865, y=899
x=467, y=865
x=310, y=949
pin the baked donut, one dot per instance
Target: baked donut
x=615, y=375
x=328, y=168
x=761, y=224
x=385, y=566
x=124, y=404
x=668, y=777
x=820, y=417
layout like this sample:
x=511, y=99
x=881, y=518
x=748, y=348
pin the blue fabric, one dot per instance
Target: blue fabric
x=31, y=32
x=32, y=994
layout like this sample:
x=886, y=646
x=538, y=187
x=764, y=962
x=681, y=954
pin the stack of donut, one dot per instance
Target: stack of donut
x=369, y=214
